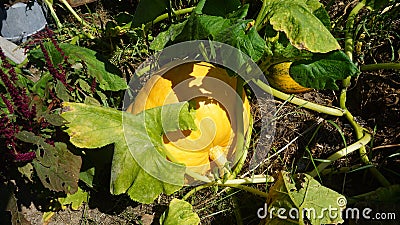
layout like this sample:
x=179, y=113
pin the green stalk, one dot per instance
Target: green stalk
x=242, y=160
x=349, y=44
x=261, y=179
x=341, y=153
x=196, y=189
x=196, y=175
x=245, y=188
x=261, y=16
x=53, y=13
x=359, y=131
x=240, y=145
x=297, y=101
x=77, y=17
x=380, y=66
x=166, y=15
x=233, y=183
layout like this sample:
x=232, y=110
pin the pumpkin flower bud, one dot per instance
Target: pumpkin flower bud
x=213, y=93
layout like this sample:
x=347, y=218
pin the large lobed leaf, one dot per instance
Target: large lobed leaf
x=138, y=154
x=305, y=195
x=304, y=29
x=322, y=71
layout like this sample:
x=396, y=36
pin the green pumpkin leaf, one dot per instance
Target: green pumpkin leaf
x=56, y=167
x=301, y=26
x=303, y=194
x=92, y=126
x=247, y=41
x=179, y=212
x=323, y=70
x=84, y=86
x=37, y=56
x=232, y=31
x=139, y=166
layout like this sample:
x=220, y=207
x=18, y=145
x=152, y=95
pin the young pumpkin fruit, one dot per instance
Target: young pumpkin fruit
x=213, y=93
x=278, y=76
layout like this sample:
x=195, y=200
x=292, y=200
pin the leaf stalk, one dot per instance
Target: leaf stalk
x=297, y=101
x=73, y=12
x=234, y=183
x=359, y=130
x=175, y=12
x=53, y=13
x=261, y=16
x=341, y=153
x=380, y=66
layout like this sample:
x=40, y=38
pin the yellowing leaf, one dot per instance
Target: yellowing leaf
x=301, y=26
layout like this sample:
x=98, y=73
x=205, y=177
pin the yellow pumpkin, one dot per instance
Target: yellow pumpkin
x=213, y=91
x=278, y=77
